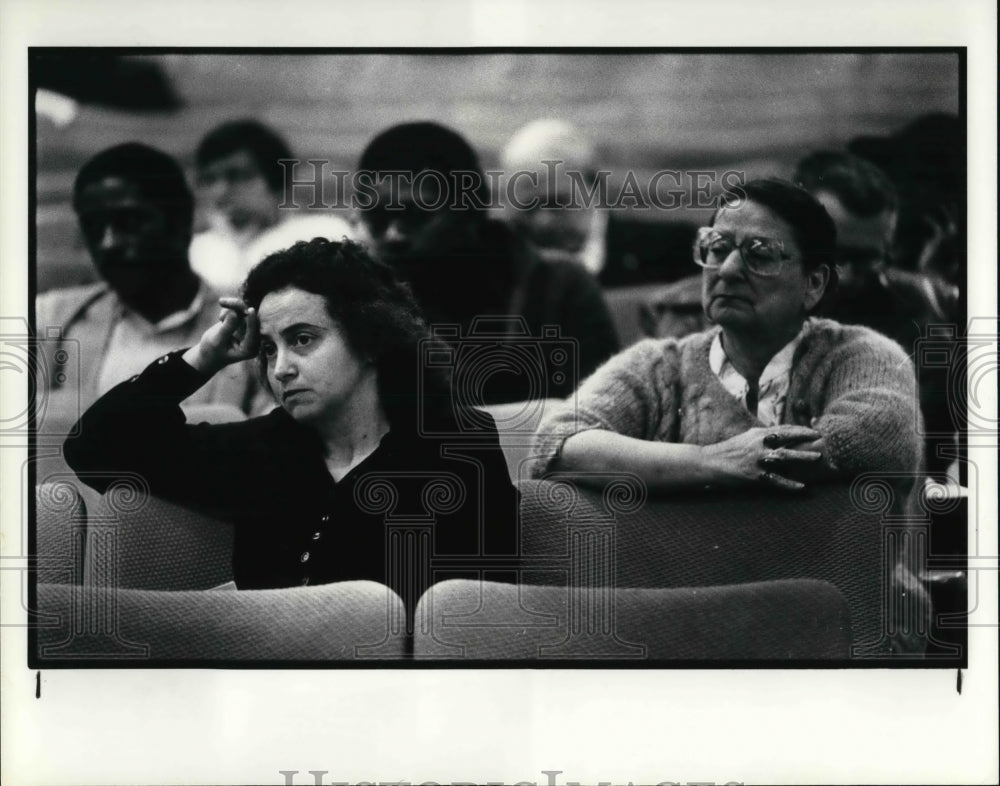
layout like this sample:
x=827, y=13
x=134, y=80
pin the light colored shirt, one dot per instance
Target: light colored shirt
x=773, y=383
x=592, y=255
x=135, y=342
x=224, y=260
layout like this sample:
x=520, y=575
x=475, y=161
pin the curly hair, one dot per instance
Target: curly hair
x=376, y=311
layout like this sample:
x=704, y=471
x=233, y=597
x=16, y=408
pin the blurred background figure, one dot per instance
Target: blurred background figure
x=135, y=212
x=463, y=266
x=568, y=218
x=240, y=185
x=66, y=81
x=865, y=206
x=925, y=159
x=901, y=304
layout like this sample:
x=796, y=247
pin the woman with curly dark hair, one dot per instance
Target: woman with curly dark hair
x=364, y=435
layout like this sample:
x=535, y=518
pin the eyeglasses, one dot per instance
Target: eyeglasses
x=763, y=256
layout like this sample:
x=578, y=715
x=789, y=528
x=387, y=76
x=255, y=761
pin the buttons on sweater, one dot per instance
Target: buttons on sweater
x=163, y=360
x=325, y=518
x=317, y=535
x=304, y=556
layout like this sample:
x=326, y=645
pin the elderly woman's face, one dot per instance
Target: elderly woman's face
x=311, y=369
x=738, y=299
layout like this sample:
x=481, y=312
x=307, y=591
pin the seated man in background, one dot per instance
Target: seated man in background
x=926, y=161
x=240, y=186
x=898, y=303
x=865, y=207
x=565, y=224
x=135, y=212
x=427, y=219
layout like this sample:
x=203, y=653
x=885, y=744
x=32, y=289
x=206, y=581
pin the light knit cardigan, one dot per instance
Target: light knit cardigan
x=852, y=385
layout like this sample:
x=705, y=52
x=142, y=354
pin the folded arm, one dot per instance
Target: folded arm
x=625, y=421
x=870, y=419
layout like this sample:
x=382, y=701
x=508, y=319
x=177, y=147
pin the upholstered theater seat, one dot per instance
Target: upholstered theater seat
x=60, y=524
x=346, y=621
x=772, y=621
x=619, y=536
x=138, y=541
x=516, y=424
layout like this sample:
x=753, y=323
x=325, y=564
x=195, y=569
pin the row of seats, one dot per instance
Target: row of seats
x=458, y=621
x=606, y=573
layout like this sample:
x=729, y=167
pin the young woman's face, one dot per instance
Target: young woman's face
x=312, y=371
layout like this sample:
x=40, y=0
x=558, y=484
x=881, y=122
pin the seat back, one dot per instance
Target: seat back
x=213, y=413
x=768, y=621
x=516, y=424
x=619, y=536
x=137, y=541
x=60, y=530
x=346, y=621
x=629, y=307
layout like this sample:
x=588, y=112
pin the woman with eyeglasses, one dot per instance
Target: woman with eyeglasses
x=770, y=395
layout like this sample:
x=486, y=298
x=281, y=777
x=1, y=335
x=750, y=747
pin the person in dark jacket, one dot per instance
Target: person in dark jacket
x=522, y=328
x=328, y=485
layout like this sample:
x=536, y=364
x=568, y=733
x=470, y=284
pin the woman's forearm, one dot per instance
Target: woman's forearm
x=771, y=456
x=202, y=361
x=660, y=465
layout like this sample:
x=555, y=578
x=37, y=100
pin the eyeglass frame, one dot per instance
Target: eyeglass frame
x=703, y=232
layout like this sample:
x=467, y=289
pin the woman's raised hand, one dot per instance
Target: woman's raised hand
x=235, y=337
x=771, y=456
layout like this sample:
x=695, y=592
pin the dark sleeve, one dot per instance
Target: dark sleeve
x=502, y=500
x=138, y=428
x=486, y=522
x=584, y=317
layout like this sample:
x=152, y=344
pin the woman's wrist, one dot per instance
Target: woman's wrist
x=200, y=361
x=713, y=467
x=706, y=469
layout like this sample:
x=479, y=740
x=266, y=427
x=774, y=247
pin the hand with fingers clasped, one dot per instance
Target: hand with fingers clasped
x=783, y=456
x=235, y=337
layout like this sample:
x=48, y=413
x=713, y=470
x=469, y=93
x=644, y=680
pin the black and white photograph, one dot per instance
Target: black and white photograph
x=499, y=377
